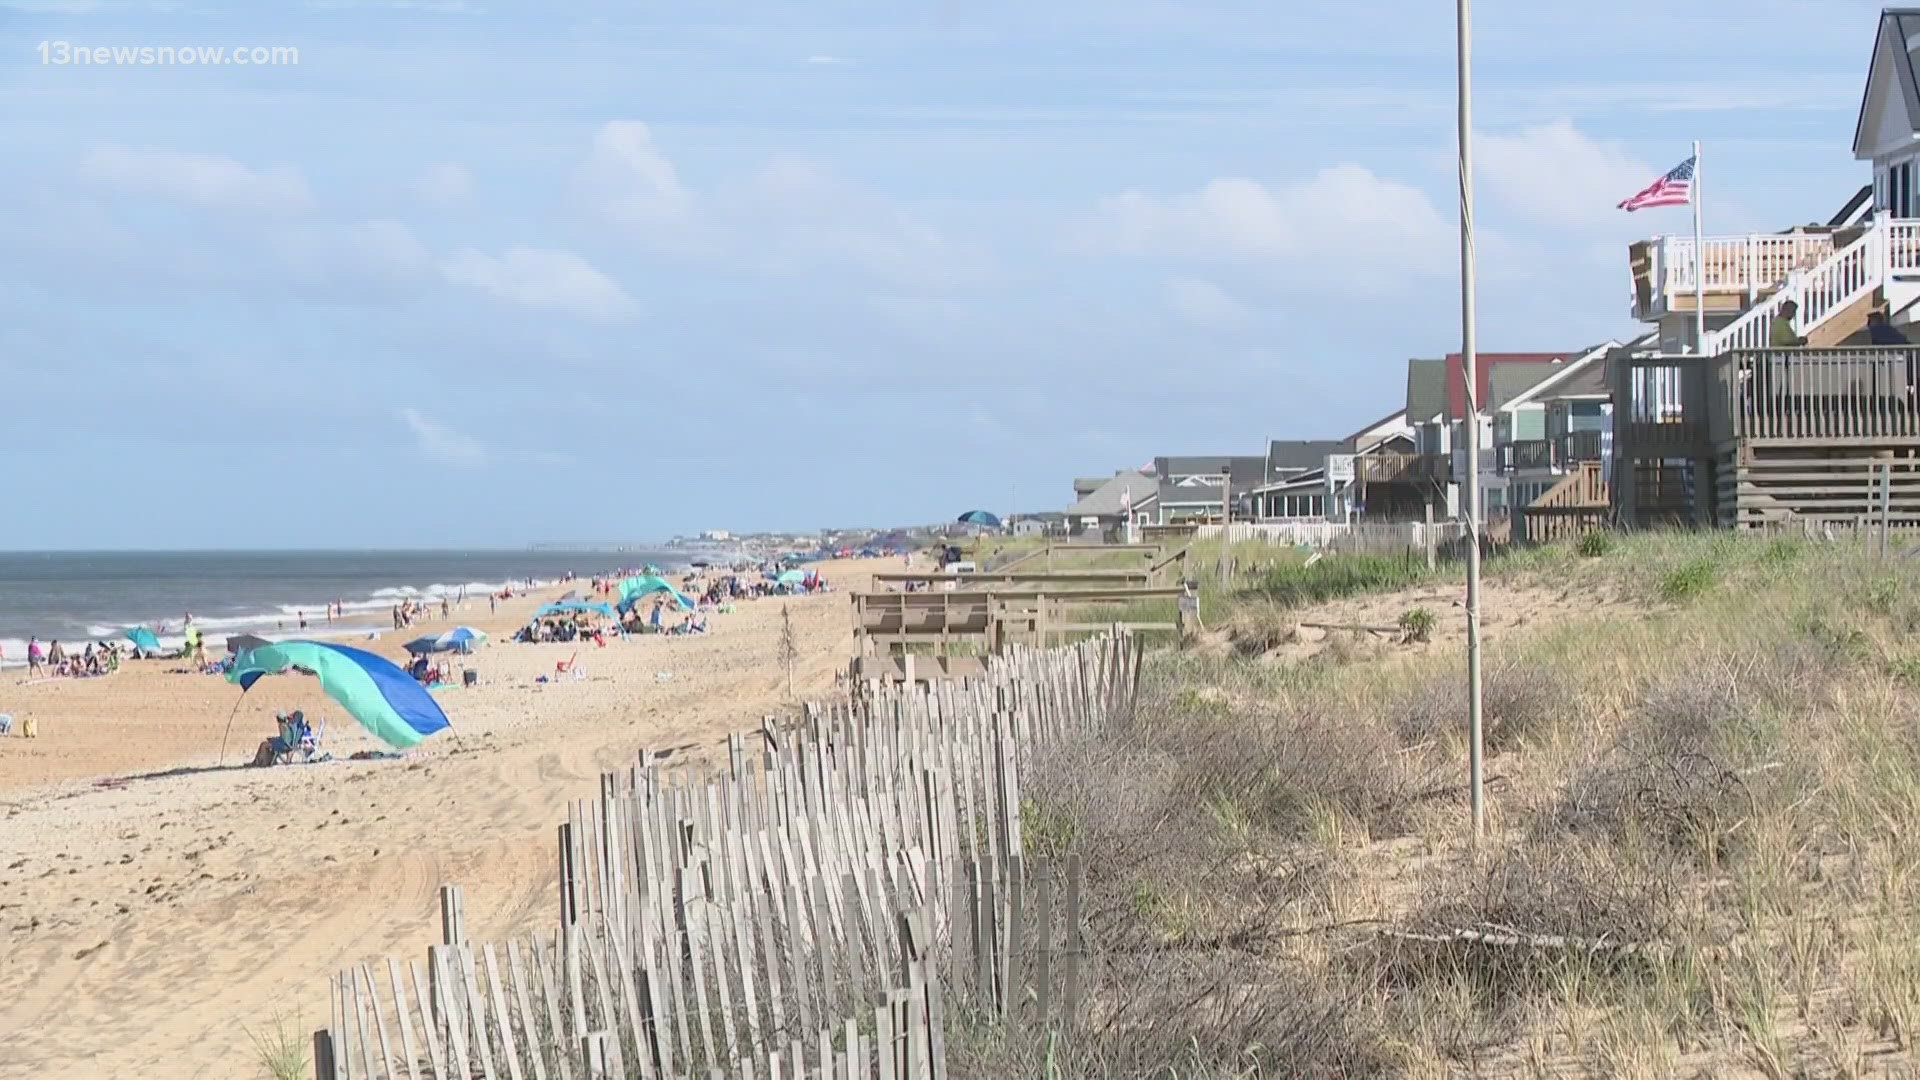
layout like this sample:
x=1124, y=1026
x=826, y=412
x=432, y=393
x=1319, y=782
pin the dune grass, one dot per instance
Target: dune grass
x=1702, y=859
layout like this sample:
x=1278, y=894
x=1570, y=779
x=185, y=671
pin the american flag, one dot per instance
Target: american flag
x=1673, y=189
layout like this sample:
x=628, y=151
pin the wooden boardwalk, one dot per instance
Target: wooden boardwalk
x=823, y=905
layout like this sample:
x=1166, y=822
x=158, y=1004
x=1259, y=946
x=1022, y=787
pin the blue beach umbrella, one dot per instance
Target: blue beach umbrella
x=372, y=689
x=458, y=639
x=144, y=639
x=791, y=577
x=981, y=518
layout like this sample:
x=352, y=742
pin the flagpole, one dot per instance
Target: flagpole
x=1699, y=263
x=1469, y=364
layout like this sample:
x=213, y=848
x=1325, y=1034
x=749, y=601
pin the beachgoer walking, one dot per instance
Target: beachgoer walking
x=493, y=603
x=36, y=658
x=446, y=608
x=56, y=657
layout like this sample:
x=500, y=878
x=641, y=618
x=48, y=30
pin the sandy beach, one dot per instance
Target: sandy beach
x=156, y=905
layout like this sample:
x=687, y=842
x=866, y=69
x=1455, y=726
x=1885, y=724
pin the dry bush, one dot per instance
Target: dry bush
x=1197, y=1018
x=1258, y=629
x=1611, y=915
x=1519, y=700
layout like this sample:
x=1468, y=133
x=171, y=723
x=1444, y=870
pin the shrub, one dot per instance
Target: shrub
x=1688, y=580
x=1595, y=544
x=1679, y=775
x=1417, y=625
x=1517, y=701
x=1330, y=578
x=1528, y=914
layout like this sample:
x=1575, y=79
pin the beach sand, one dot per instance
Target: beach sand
x=155, y=907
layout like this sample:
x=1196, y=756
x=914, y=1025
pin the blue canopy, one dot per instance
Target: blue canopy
x=374, y=690
x=635, y=589
x=143, y=639
x=567, y=606
x=980, y=517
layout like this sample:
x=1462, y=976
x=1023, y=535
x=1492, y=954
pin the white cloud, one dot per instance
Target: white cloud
x=442, y=444
x=630, y=183
x=445, y=184
x=1342, y=221
x=206, y=181
x=542, y=279
x=793, y=215
x=797, y=214
x=1204, y=304
x=1555, y=175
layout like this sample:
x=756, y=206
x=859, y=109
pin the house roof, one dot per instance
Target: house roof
x=1292, y=455
x=1589, y=381
x=1086, y=485
x=1394, y=423
x=1109, y=499
x=1892, y=58
x=1583, y=376
x=1485, y=365
x=1426, y=389
x=1509, y=381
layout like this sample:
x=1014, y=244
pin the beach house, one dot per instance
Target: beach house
x=1191, y=487
x=1733, y=429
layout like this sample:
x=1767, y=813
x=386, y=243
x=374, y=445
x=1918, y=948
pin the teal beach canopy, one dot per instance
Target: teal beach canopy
x=633, y=588
x=567, y=606
x=372, y=689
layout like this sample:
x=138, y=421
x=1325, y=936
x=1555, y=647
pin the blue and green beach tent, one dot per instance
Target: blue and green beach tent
x=566, y=606
x=144, y=639
x=374, y=690
x=634, y=589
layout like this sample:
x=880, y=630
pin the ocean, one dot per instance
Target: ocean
x=82, y=596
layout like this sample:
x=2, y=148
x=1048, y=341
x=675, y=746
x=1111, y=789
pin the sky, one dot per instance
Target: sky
x=492, y=272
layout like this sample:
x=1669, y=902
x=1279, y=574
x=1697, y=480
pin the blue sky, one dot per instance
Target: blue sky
x=479, y=272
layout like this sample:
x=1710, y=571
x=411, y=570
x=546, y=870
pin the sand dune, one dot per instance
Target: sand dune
x=150, y=920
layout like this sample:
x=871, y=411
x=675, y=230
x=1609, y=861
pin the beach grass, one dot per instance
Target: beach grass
x=1701, y=857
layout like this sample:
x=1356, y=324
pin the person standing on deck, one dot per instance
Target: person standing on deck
x=1781, y=334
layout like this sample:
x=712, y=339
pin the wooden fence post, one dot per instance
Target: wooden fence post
x=323, y=1066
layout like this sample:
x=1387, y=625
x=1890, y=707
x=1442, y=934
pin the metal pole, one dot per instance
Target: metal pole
x=1699, y=264
x=1226, y=526
x=1469, y=364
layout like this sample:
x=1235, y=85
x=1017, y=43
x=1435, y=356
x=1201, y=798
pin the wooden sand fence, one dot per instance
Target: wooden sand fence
x=822, y=904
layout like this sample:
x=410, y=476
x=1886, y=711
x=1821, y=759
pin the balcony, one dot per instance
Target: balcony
x=1738, y=269
x=1436, y=469
x=1686, y=406
x=1524, y=454
x=1558, y=455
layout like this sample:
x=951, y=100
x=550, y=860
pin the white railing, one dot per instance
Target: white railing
x=1903, y=246
x=1741, y=264
x=1821, y=292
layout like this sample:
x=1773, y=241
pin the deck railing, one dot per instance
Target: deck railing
x=1820, y=394
x=1742, y=265
x=1526, y=454
x=1661, y=405
x=1683, y=406
x=1403, y=468
x=1575, y=447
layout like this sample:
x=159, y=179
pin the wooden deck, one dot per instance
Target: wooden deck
x=1771, y=436
x=987, y=621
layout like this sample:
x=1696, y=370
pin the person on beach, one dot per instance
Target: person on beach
x=493, y=604
x=36, y=658
x=56, y=657
x=446, y=609
x=302, y=616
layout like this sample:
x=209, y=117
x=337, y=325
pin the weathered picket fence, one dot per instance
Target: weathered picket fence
x=816, y=905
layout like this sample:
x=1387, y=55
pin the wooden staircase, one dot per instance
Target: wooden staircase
x=1579, y=503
